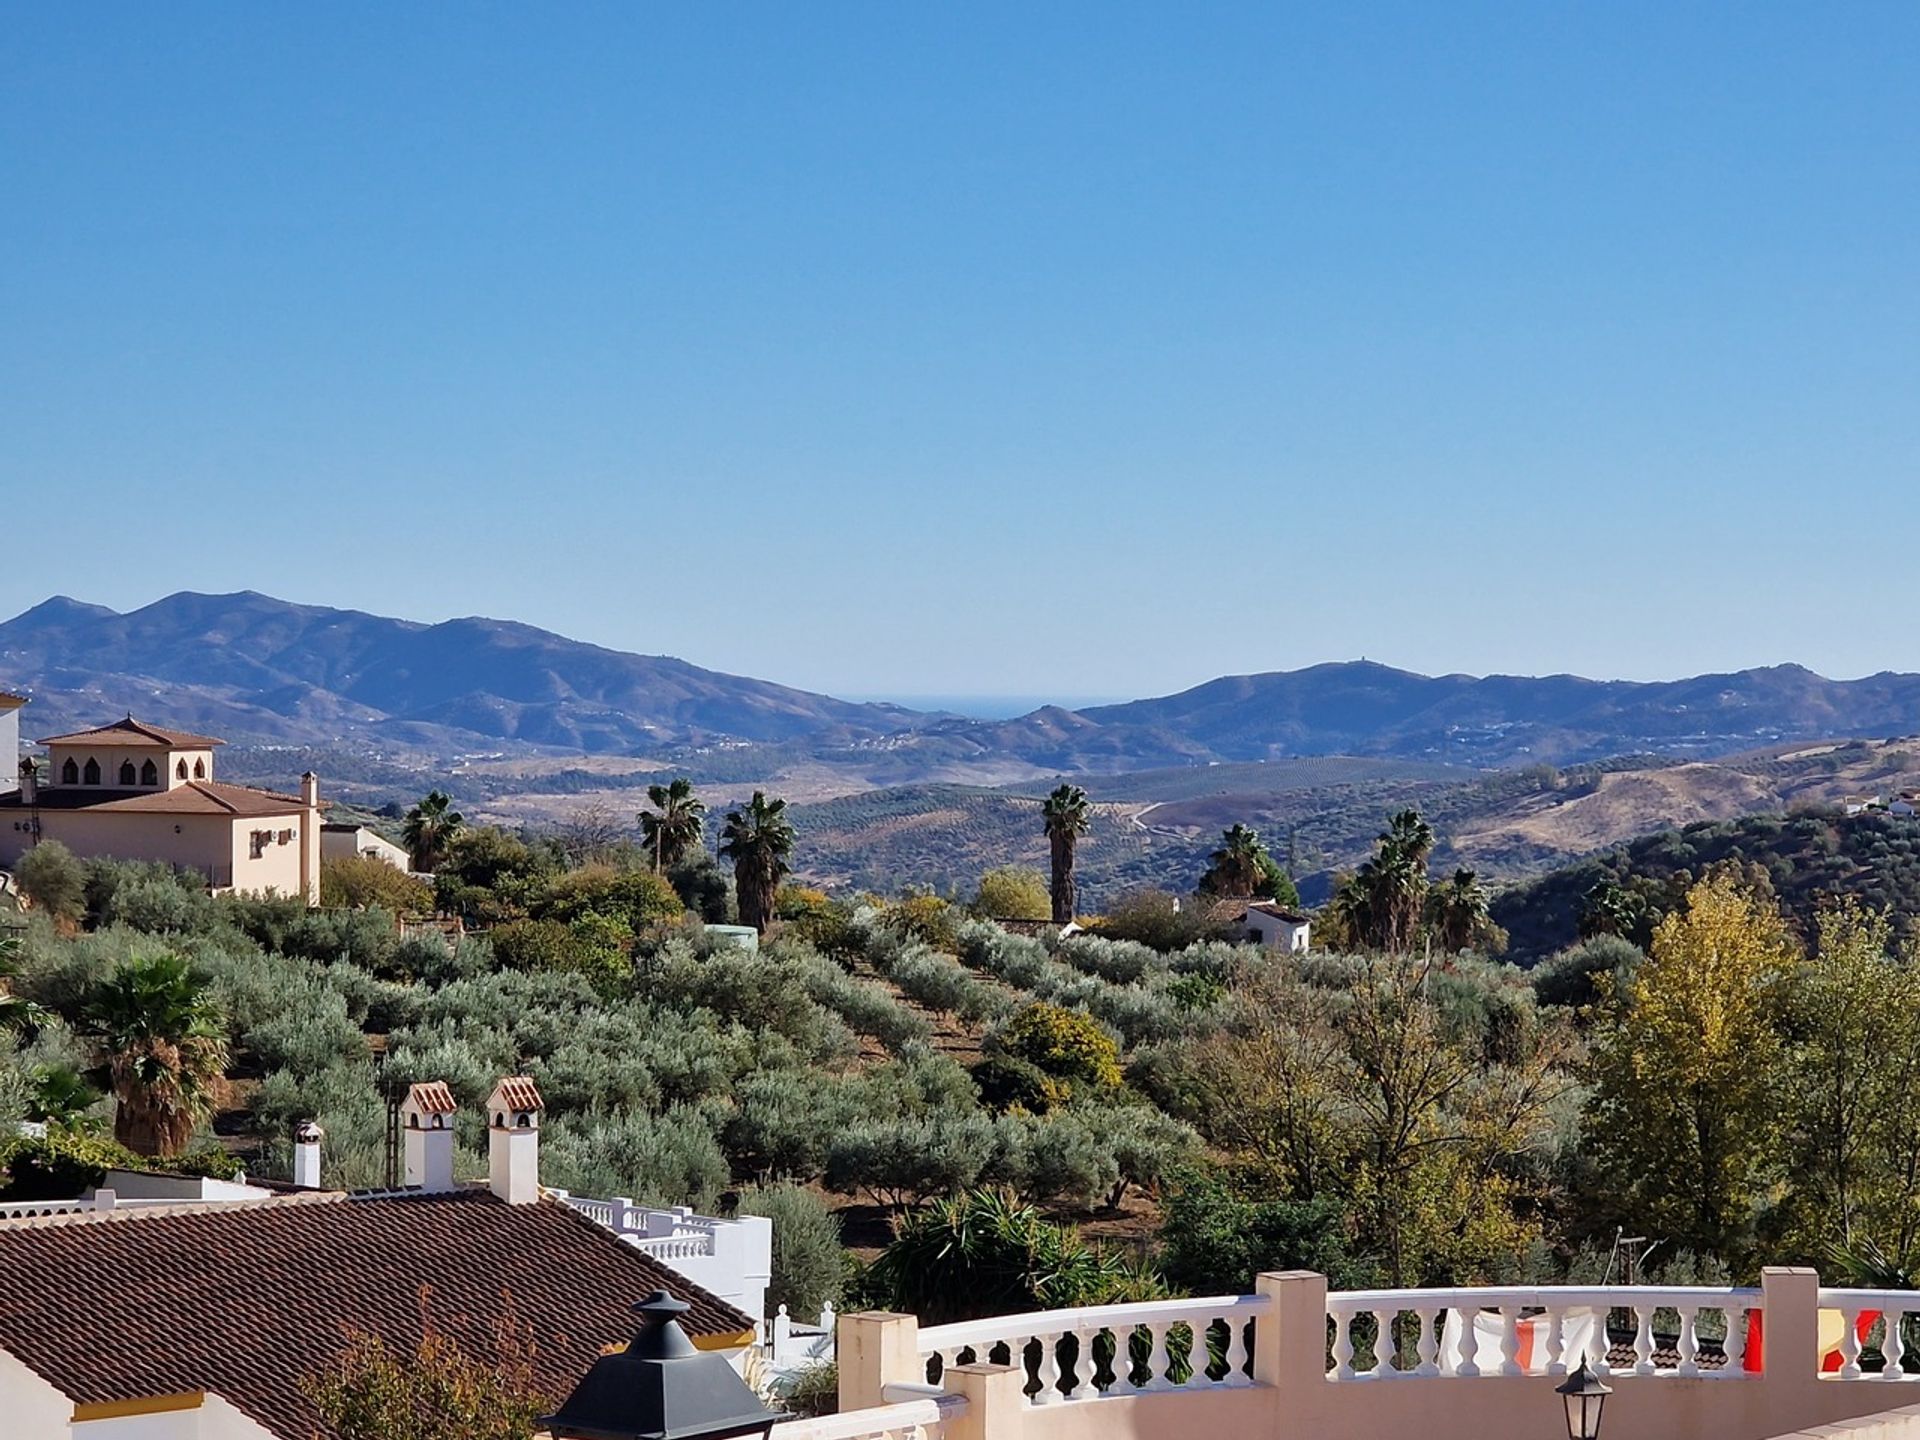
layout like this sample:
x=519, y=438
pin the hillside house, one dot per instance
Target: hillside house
x=345, y=841
x=197, y=1321
x=1276, y=927
x=133, y=791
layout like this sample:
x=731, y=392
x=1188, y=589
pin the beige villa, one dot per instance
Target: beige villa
x=133, y=791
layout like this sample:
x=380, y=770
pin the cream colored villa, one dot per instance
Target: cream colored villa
x=132, y=791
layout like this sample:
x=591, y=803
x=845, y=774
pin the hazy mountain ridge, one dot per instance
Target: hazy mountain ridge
x=253, y=668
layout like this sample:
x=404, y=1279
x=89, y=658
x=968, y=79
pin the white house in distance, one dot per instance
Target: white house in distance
x=346, y=841
x=1276, y=927
x=133, y=791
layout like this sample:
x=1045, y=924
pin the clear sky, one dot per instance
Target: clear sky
x=1084, y=350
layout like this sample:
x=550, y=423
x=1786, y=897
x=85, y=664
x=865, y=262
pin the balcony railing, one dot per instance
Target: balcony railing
x=1541, y=1330
x=1294, y=1362
x=1085, y=1354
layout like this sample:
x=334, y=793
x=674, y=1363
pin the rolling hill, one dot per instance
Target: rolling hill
x=253, y=668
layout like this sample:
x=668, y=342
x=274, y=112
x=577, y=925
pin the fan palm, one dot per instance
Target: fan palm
x=1066, y=815
x=673, y=826
x=1387, y=896
x=757, y=838
x=163, y=1044
x=1458, y=914
x=431, y=826
x=1236, y=868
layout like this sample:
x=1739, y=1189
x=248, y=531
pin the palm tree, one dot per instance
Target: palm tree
x=1387, y=897
x=757, y=838
x=1067, y=816
x=673, y=826
x=1458, y=915
x=1236, y=868
x=163, y=1043
x=431, y=826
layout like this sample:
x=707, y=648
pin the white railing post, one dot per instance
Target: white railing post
x=1290, y=1338
x=996, y=1402
x=617, y=1210
x=877, y=1348
x=782, y=1334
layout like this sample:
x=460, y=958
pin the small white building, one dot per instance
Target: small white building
x=340, y=840
x=1276, y=927
x=1907, y=802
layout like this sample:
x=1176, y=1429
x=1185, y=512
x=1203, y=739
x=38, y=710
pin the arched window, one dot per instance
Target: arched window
x=91, y=775
x=127, y=776
x=70, y=772
x=199, y=769
x=526, y=1122
x=149, y=774
x=180, y=770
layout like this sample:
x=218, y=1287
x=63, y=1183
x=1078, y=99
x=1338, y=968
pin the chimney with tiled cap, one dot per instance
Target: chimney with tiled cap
x=426, y=1123
x=513, y=1140
x=306, y=1155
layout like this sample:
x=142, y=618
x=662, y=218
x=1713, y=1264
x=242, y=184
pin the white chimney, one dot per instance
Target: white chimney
x=29, y=782
x=306, y=1155
x=513, y=1140
x=426, y=1122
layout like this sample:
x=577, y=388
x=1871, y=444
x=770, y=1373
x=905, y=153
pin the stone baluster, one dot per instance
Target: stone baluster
x=1343, y=1346
x=1510, y=1341
x=1383, y=1346
x=1047, y=1371
x=1735, y=1344
x=1428, y=1345
x=1556, y=1348
x=1850, y=1344
x=1643, y=1340
x=1469, y=1368
x=1157, y=1359
x=1083, y=1365
x=1893, y=1345
x=1236, y=1352
x=1689, y=1348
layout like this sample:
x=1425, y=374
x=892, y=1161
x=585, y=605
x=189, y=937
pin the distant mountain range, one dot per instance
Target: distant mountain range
x=257, y=669
x=252, y=668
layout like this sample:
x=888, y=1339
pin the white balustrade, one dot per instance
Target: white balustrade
x=41, y=1209
x=925, y=1419
x=1873, y=1320
x=1542, y=1330
x=1083, y=1354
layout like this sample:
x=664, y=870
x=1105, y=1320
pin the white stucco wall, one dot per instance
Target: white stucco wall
x=212, y=1419
x=9, y=747
x=31, y=1407
x=345, y=844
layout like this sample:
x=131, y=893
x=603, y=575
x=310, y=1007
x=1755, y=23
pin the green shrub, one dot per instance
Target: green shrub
x=637, y=898
x=53, y=880
x=809, y=1265
x=669, y=1159
x=1009, y=892
x=1007, y=1082
x=1067, y=1045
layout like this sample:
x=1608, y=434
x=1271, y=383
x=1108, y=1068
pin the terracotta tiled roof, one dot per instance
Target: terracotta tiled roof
x=11, y=701
x=430, y=1097
x=134, y=732
x=195, y=797
x=242, y=1302
x=516, y=1092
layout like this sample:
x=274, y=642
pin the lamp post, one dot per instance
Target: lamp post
x=1584, y=1393
x=661, y=1388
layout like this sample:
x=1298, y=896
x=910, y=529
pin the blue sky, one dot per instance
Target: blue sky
x=1084, y=350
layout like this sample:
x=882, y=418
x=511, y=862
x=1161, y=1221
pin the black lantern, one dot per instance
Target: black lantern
x=1584, y=1392
x=661, y=1388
